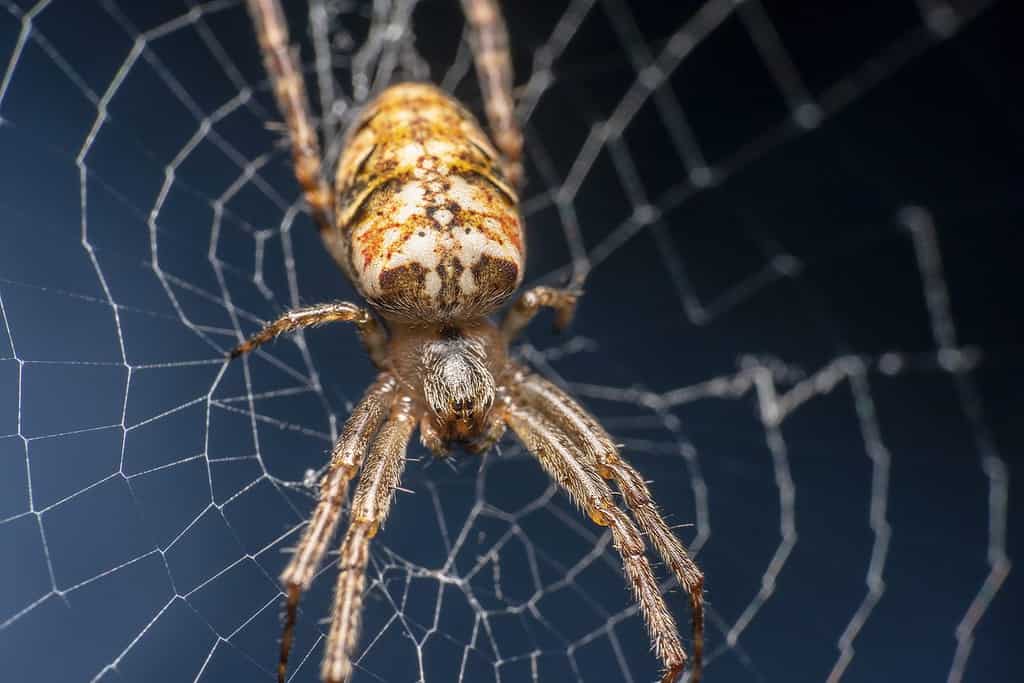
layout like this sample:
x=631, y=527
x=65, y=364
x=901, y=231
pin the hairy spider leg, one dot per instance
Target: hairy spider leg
x=488, y=41
x=373, y=498
x=370, y=331
x=519, y=314
x=580, y=480
x=280, y=61
x=346, y=457
x=590, y=437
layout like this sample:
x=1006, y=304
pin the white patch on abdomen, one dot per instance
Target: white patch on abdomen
x=433, y=242
x=410, y=202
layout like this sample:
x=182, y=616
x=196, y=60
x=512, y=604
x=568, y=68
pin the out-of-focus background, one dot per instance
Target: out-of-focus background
x=800, y=226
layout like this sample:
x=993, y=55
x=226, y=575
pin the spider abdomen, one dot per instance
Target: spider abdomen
x=431, y=226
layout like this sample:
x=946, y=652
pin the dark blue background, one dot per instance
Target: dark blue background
x=145, y=499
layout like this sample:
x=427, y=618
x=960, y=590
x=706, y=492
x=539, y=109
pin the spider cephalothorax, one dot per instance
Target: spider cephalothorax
x=423, y=217
x=454, y=372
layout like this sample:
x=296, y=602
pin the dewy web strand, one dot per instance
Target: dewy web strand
x=488, y=601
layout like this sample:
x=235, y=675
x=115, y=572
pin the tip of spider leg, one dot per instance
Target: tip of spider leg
x=294, y=592
x=673, y=674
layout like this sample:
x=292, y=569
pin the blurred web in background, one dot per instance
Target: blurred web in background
x=151, y=221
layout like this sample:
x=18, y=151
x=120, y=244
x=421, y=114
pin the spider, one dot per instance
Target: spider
x=423, y=218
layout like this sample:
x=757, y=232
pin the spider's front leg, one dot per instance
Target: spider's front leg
x=370, y=331
x=563, y=301
x=370, y=506
x=579, y=478
x=590, y=438
x=346, y=457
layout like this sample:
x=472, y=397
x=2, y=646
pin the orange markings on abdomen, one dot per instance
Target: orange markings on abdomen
x=431, y=226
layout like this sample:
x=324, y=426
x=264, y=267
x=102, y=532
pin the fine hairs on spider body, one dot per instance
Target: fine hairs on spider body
x=423, y=217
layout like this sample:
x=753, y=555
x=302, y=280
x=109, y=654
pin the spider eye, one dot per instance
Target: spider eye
x=463, y=408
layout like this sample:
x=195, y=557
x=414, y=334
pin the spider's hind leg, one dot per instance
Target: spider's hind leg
x=282, y=65
x=488, y=39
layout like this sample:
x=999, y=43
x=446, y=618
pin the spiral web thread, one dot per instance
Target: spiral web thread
x=172, y=533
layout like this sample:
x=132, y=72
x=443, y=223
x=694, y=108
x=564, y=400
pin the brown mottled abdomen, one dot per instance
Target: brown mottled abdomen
x=432, y=228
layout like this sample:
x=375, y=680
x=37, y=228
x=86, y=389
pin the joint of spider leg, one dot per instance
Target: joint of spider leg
x=596, y=516
x=599, y=513
x=346, y=455
x=306, y=169
x=511, y=144
x=346, y=472
x=403, y=409
x=369, y=526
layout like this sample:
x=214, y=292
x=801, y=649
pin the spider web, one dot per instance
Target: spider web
x=793, y=226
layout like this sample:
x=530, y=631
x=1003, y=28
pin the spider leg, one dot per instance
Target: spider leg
x=579, y=478
x=346, y=456
x=488, y=40
x=590, y=437
x=281, y=64
x=373, y=498
x=519, y=315
x=370, y=330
